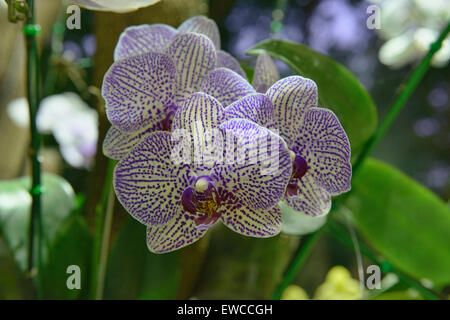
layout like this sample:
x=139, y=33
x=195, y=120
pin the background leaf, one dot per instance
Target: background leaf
x=136, y=273
x=403, y=220
x=71, y=246
x=339, y=90
x=58, y=201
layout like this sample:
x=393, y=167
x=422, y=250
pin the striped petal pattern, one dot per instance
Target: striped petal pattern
x=177, y=233
x=137, y=90
x=226, y=86
x=148, y=184
x=254, y=107
x=259, y=168
x=144, y=38
x=326, y=149
x=226, y=60
x=117, y=144
x=194, y=56
x=266, y=73
x=250, y=221
x=202, y=25
x=291, y=98
x=312, y=199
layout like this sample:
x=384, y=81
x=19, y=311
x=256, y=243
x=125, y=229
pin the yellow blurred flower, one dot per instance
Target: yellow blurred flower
x=294, y=292
x=338, y=285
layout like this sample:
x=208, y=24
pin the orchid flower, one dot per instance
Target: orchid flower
x=266, y=73
x=319, y=147
x=119, y=6
x=180, y=201
x=156, y=37
x=71, y=121
x=143, y=88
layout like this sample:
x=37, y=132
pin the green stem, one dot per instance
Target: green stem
x=392, y=114
x=103, y=221
x=33, y=93
x=400, y=102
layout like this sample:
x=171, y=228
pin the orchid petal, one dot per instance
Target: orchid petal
x=259, y=167
x=226, y=86
x=254, y=107
x=249, y=221
x=202, y=25
x=175, y=234
x=138, y=90
x=311, y=199
x=118, y=6
x=117, y=144
x=326, y=149
x=199, y=109
x=266, y=73
x=291, y=98
x=147, y=182
x=194, y=56
x=144, y=38
x=226, y=60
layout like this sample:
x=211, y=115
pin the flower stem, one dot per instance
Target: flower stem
x=33, y=93
x=103, y=221
x=394, y=110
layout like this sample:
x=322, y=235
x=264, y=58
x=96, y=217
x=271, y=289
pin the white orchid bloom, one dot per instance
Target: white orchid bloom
x=119, y=6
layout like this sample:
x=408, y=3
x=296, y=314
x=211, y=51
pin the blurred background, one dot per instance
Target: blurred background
x=74, y=61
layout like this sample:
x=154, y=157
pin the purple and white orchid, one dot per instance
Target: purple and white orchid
x=319, y=147
x=179, y=201
x=157, y=67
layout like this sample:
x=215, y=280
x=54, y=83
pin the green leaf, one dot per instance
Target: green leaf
x=339, y=90
x=403, y=220
x=136, y=273
x=58, y=201
x=71, y=246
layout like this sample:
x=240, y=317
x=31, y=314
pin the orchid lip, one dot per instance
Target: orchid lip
x=300, y=167
x=203, y=201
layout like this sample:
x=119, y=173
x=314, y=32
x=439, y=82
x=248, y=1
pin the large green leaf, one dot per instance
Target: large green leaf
x=403, y=220
x=58, y=201
x=339, y=90
x=136, y=273
x=70, y=247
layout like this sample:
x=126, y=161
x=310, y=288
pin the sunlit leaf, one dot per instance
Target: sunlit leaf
x=339, y=90
x=403, y=220
x=58, y=201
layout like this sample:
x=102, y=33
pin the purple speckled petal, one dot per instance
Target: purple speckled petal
x=226, y=86
x=266, y=73
x=144, y=38
x=250, y=221
x=117, y=144
x=291, y=98
x=199, y=109
x=202, y=25
x=175, y=234
x=198, y=120
x=311, y=199
x=137, y=91
x=194, y=56
x=257, y=165
x=326, y=149
x=226, y=60
x=255, y=107
x=148, y=184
